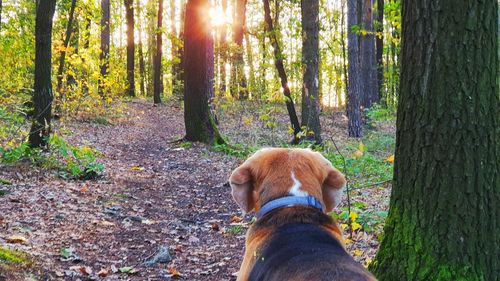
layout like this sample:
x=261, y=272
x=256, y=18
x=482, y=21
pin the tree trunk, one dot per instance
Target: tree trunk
x=239, y=79
x=1, y=14
x=355, y=128
x=199, y=74
x=129, y=15
x=310, y=64
x=62, y=58
x=379, y=45
x=43, y=97
x=278, y=62
x=105, y=39
x=142, y=63
x=368, y=58
x=158, y=81
x=444, y=217
x=223, y=51
x=250, y=63
x=176, y=59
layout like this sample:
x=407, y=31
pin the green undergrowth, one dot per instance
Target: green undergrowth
x=13, y=256
x=78, y=162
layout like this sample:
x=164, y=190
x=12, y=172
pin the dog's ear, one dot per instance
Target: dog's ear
x=332, y=187
x=242, y=187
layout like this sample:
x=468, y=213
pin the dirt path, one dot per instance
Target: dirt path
x=154, y=194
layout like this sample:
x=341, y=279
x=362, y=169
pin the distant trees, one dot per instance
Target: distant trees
x=444, y=215
x=280, y=68
x=199, y=72
x=105, y=40
x=238, y=78
x=157, y=70
x=310, y=65
x=43, y=96
x=129, y=15
x=67, y=37
x=355, y=128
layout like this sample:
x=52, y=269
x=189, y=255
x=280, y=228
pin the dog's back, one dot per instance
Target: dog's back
x=301, y=251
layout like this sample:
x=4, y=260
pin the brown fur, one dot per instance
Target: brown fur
x=266, y=176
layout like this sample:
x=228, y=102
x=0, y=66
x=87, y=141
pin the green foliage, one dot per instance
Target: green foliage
x=13, y=256
x=234, y=230
x=236, y=150
x=380, y=113
x=73, y=161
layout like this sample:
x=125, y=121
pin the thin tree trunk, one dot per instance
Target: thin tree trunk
x=444, y=217
x=158, y=81
x=67, y=36
x=199, y=74
x=223, y=51
x=310, y=63
x=240, y=83
x=355, y=128
x=251, y=76
x=105, y=39
x=278, y=61
x=176, y=65
x=1, y=5
x=142, y=63
x=43, y=97
x=380, y=48
x=129, y=15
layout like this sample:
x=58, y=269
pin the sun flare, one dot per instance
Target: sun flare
x=217, y=16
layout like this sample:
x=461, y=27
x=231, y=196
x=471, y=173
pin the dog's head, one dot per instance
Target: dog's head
x=272, y=173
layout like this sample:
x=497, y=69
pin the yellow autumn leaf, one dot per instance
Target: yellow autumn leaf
x=247, y=120
x=361, y=147
x=355, y=226
x=347, y=241
x=357, y=252
x=390, y=159
x=137, y=168
x=343, y=225
x=17, y=239
x=353, y=216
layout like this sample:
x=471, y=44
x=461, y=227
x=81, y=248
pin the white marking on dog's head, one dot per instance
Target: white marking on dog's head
x=295, y=189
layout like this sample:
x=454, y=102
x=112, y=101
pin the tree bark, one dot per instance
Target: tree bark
x=379, y=45
x=199, y=74
x=129, y=15
x=1, y=5
x=43, y=96
x=278, y=62
x=239, y=83
x=355, y=128
x=444, y=217
x=176, y=59
x=368, y=58
x=105, y=39
x=310, y=64
x=142, y=63
x=62, y=58
x=223, y=48
x=157, y=73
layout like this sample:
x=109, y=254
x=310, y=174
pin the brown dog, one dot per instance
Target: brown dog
x=293, y=238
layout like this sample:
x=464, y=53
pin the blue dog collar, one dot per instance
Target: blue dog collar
x=289, y=201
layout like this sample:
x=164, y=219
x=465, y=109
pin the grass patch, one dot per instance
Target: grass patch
x=236, y=150
x=235, y=230
x=13, y=256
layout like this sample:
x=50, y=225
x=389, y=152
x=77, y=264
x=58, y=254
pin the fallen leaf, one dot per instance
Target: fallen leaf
x=355, y=226
x=174, y=273
x=86, y=270
x=84, y=189
x=215, y=226
x=127, y=269
x=357, y=154
x=17, y=239
x=103, y=272
x=148, y=222
x=135, y=168
x=390, y=159
x=235, y=218
x=357, y=252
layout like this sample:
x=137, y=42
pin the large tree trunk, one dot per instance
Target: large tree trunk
x=368, y=58
x=129, y=14
x=199, y=74
x=278, y=62
x=355, y=128
x=310, y=63
x=379, y=45
x=157, y=73
x=239, y=84
x=43, y=97
x=105, y=39
x=444, y=217
x=62, y=58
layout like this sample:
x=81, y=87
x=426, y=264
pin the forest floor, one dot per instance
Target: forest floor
x=155, y=194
